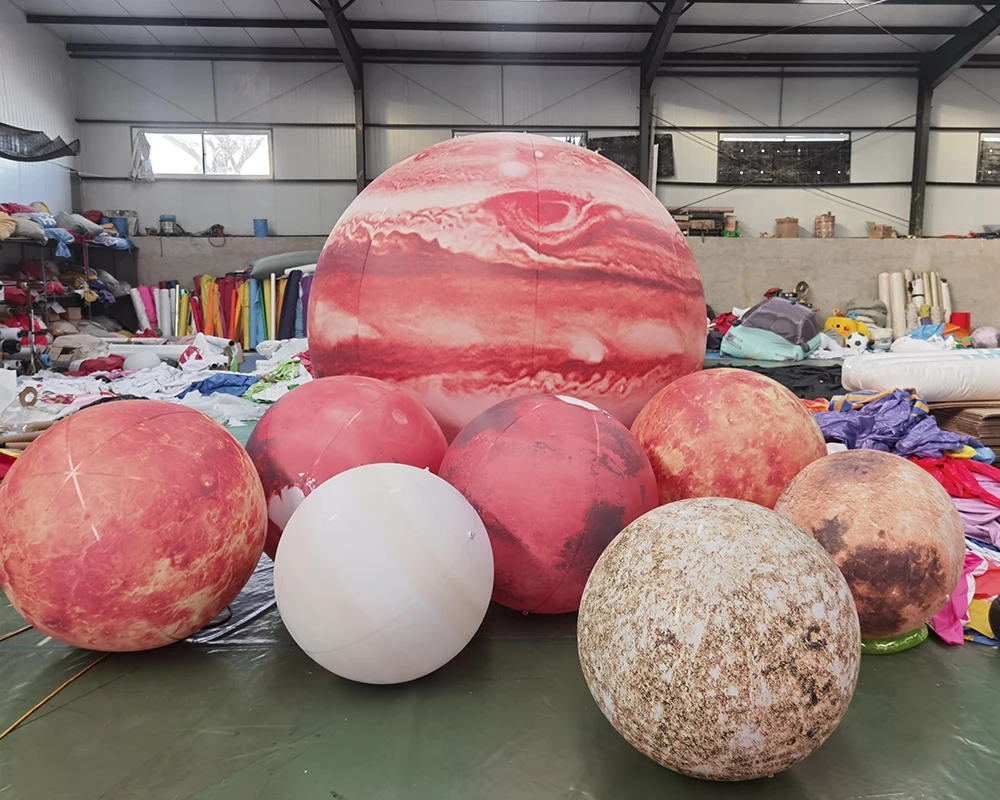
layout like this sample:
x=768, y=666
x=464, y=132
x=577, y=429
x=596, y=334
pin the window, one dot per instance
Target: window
x=988, y=170
x=624, y=151
x=785, y=158
x=210, y=153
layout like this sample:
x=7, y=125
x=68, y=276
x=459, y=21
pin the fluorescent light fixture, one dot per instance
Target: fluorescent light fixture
x=991, y=137
x=786, y=137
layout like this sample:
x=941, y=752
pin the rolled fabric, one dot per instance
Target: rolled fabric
x=185, y=316
x=300, y=330
x=897, y=301
x=306, y=285
x=946, y=299
x=140, y=310
x=254, y=325
x=883, y=295
x=245, y=292
x=272, y=308
x=166, y=315
x=286, y=326
x=149, y=303
x=937, y=315
x=908, y=277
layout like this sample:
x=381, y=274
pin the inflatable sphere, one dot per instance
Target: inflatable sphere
x=555, y=480
x=129, y=526
x=719, y=639
x=727, y=433
x=326, y=427
x=892, y=529
x=384, y=574
x=501, y=264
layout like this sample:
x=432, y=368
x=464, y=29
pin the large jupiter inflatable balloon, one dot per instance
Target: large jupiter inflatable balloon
x=502, y=264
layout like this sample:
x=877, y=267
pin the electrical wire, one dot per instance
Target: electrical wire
x=850, y=10
x=41, y=703
x=12, y=634
x=805, y=186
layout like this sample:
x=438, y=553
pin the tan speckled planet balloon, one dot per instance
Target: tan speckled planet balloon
x=719, y=639
x=892, y=529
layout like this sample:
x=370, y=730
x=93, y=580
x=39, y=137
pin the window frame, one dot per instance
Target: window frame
x=204, y=130
x=986, y=138
x=775, y=137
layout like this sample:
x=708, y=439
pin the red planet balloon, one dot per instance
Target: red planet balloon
x=129, y=525
x=554, y=480
x=496, y=265
x=329, y=426
x=727, y=433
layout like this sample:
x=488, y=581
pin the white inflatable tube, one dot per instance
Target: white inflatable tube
x=171, y=351
x=949, y=376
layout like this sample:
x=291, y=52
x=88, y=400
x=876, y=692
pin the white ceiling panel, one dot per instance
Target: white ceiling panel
x=85, y=34
x=608, y=42
x=249, y=9
x=685, y=42
x=179, y=37
x=43, y=6
x=478, y=41
x=394, y=9
x=201, y=8
x=226, y=37
x=513, y=42
x=299, y=9
x=103, y=8
x=795, y=14
x=149, y=8
x=128, y=34
x=273, y=37
x=314, y=37
x=373, y=40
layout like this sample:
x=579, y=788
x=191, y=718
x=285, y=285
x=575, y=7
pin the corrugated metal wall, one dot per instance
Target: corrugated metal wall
x=411, y=107
x=311, y=109
x=36, y=92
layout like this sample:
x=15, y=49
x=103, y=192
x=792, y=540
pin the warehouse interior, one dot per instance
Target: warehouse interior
x=170, y=174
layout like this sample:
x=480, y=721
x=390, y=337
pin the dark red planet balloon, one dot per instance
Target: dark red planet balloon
x=554, y=480
x=329, y=426
x=129, y=526
x=496, y=265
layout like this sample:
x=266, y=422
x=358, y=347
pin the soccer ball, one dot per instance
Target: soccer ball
x=857, y=342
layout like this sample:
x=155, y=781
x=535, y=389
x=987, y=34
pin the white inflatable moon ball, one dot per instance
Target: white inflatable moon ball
x=383, y=574
x=719, y=639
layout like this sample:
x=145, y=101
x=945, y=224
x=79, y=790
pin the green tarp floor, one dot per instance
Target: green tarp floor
x=243, y=714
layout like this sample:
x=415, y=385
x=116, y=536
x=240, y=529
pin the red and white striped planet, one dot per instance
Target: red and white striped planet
x=504, y=264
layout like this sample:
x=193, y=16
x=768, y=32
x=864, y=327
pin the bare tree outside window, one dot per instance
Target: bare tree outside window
x=223, y=153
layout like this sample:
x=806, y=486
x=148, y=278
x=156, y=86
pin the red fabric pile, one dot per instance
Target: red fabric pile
x=955, y=475
x=91, y=365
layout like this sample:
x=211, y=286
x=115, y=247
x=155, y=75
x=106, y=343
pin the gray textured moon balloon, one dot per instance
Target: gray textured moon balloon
x=719, y=639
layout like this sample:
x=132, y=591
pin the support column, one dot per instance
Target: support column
x=921, y=148
x=645, y=136
x=359, y=138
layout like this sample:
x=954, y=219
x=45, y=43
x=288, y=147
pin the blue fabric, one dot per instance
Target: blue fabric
x=223, y=383
x=927, y=331
x=254, y=313
x=64, y=239
x=892, y=424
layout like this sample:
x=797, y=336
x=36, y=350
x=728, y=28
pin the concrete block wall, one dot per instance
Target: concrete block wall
x=735, y=272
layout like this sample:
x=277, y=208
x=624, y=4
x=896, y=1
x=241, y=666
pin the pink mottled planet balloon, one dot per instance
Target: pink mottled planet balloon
x=502, y=264
x=129, y=526
x=554, y=480
x=329, y=426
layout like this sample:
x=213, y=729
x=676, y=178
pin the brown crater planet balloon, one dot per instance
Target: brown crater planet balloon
x=727, y=433
x=719, y=639
x=892, y=529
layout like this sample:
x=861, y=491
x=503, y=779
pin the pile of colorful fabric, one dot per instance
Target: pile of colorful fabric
x=236, y=307
x=975, y=489
x=895, y=421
